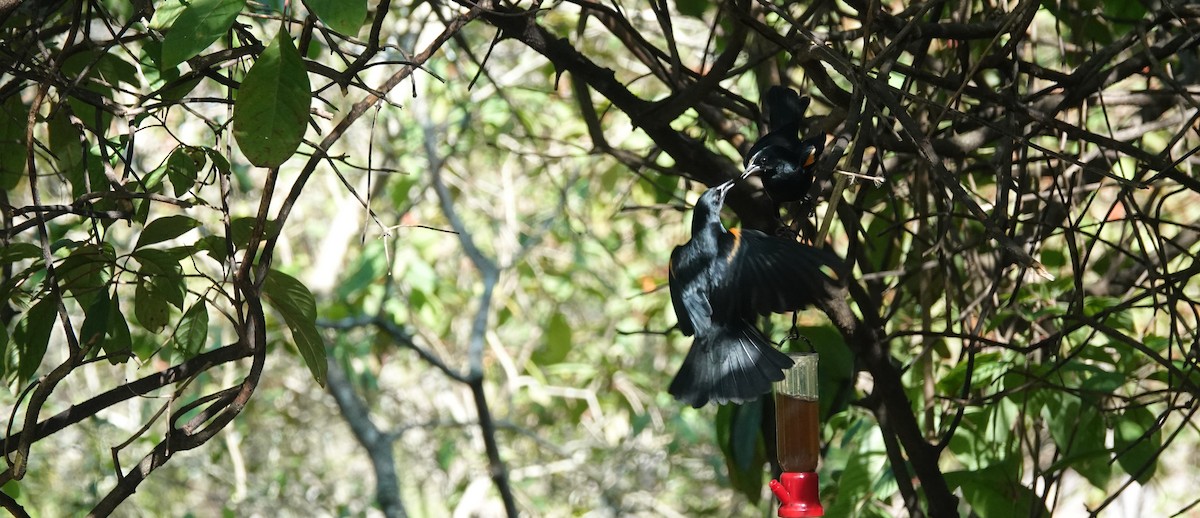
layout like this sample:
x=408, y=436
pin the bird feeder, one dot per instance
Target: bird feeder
x=797, y=432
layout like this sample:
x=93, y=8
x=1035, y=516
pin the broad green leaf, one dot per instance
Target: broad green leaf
x=119, y=344
x=835, y=370
x=154, y=261
x=161, y=274
x=997, y=492
x=14, y=117
x=13, y=252
x=1101, y=384
x=95, y=323
x=170, y=287
x=153, y=181
x=343, y=16
x=164, y=228
x=271, y=111
x=85, y=273
x=296, y=305
x=65, y=143
x=193, y=330
x=214, y=245
x=218, y=160
x=740, y=441
x=166, y=12
x=987, y=367
x=183, y=168
x=1079, y=430
x=14, y=289
x=368, y=268
x=558, y=342
x=693, y=8
x=151, y=309
x=853, y=482
x=161, y=282
x=243, y=228
x=200, y=24
x=33, y=336
x=1137, y=451
x=98, y=72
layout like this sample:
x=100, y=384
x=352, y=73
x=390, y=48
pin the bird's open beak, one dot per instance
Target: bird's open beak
x=723, y=189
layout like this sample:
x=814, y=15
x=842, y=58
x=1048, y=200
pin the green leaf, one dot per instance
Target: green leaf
x=852, y=485
x=154, y=261
x=740, y=441
x=14, y=252
x=214, y=245
x=558, y=342
x=243, y=229
x=119, y=343
x=218, y=160
x=835, y=370
x=344, y=16
x=193, y=330
x=65, y=142
x=996, y=492
x=271, y=111
x=295, y=303
x=14, y=117
x=33, y=336
x=95, y=323
x=164, y=228
x=150, y=308
x=1101, y=384
x=85, y=273
x=370, y=265
x=160, y=272
x=200, y=24
x=14, y=290
x=1137, y=450
x=693, y=8
x=166, y=12
x=183, y=169
x=171, y=288
x=98, y=72
x=1079, y=430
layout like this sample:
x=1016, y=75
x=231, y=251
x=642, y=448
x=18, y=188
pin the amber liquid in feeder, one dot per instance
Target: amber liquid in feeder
x=797, y=433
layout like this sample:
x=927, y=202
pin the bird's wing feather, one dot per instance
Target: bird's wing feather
x=676, y=285
x=768, y=274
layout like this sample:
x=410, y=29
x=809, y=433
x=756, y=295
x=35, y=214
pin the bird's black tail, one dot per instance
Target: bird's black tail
x=784, y=107
x=730, y=364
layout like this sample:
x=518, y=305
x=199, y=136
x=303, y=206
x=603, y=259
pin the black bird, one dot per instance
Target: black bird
x=785, y=162
x=721, y=280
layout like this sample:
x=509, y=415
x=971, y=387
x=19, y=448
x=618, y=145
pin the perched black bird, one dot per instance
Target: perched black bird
x=720, y=281
x=785, y=162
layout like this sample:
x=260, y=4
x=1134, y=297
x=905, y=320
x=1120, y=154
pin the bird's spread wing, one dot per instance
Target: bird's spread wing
x=766, y=274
